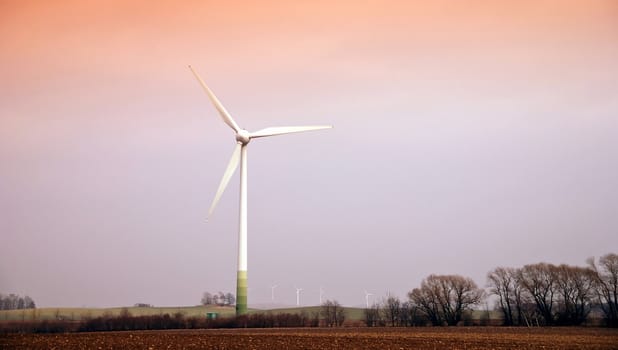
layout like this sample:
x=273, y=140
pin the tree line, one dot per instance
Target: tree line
x=220, y=299
x=16, y=302
x=533, y=295
x=125, y=321
x=440, y=300
x=547, y=294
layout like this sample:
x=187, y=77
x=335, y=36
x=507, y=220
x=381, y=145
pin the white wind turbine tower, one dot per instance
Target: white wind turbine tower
x=240, y=156
x=272, y=292
x=298, y=290
x=367, y=298
x=321, y=294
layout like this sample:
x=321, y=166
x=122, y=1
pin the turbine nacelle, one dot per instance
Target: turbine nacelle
x=243, y=136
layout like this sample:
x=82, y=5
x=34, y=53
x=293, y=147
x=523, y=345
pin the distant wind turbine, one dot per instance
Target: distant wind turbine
x=272, y=292
x=367, y=298
x=240, y=156
x=321, y=294
x=298, y=296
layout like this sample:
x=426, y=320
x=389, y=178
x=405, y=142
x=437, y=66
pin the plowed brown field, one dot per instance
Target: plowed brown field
x=320, y=338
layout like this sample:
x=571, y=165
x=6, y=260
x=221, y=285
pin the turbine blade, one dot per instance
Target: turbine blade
x=282, y=130
x=231, y=168
x=227, y=118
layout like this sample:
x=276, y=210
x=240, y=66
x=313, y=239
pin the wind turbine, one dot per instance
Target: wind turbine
x=240, y=156
x=367, y=298
x=321, y=294
x=272, y=292
x=298, y=296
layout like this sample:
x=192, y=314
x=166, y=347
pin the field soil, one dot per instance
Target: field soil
x=322, y=338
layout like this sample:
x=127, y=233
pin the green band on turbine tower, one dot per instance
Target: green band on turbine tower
x=241, y=293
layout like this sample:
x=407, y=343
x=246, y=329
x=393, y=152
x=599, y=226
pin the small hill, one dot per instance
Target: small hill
x=79, y=313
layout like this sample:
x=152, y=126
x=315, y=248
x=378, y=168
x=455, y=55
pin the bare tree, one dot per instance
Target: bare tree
x=524, y=304
x=502, y=283
x=218, y=298
x=405, y=315
x=11, y=301
x=207, y=299
x=575, y=287
x=505, y=282
x=411, y=315
x=332, y=313
x=444, y=298
x=606, y=283
x=230, y=299
x=16, y=302
x=392, y=310
x=372, y=315
x=340, y=314
x=327, y=313
x=539, y=280
x=425, y=299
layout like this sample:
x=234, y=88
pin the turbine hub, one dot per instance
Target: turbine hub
x=243, y=136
